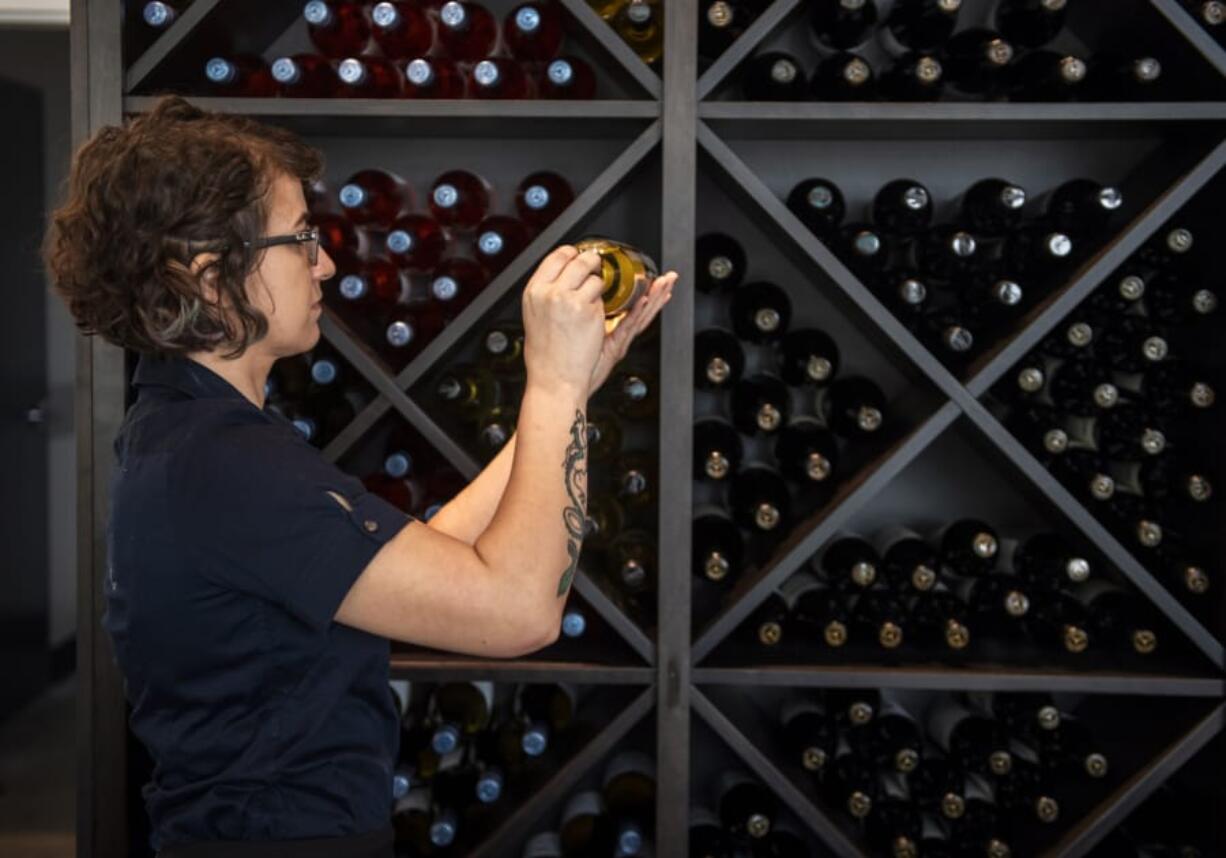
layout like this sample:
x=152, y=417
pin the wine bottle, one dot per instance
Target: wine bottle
x=1070, y=748
x=970, y=738
x=809, y=733
x=1030, y=23
x=585, y=827
x=541, y=197
x=634, y=473
x=160, y=14
x=979, y=828
x=880, y=615
x=843, y=77
x=819, y=205
x=500, y=78
x=567, y=77
x=1172, y=300
x=1083, y=388
x=1046, y=559
x=467, y=31
x=908, y=562
x=854, y=407
x=374, y=197
x=746, y=807
x=774, y=76
x=433, y=77
x=1038, y=249
x=902, y=206
x=1062, y=620
x=720, y=23
x=891, y=740
x=498, y=240
x=494, y=428
x=605, y=519
x=369, y=77
x=454, y=283
x=719, y=261
x=719, y=359
x=850, y=563
x=574, y=623
x=921, y=25
x=1024, y=714
x=640, y=23
x=415, y=242
x=304, y=76
x=542, y=710
x=905, y=293
x=1132, y=344
x=760, y=403
x=631, y=557
x=977, y=61
x=337, y=235
x=401, y=30
x=629, y=789
x=1075, y=337
x=1026, y=789
x=336, y=28
x=371, y=290
x=459, y=709
x=1082, y=207
x=604, y=435
x=1048, y=76
x=949, y=334
x=1169, y=249
x=767, y=625
x=759, y=499
x=718, y=550
x=635, y=394
x=842, y=24
x=533, y=31
x=993, y=206
x=968, y=546
x=852, y=707
x=819, y=612
x=460, y=199
x=1171, y=389
x=1126, y=77
x=988, y=300
x=937, y=786
x=850, y=783
x=895, y=825
x=1118, y=616
x=808, y=356
x=806, y=451
x=950, y=251
x=411, y=818
x=938, y=617
x=239, y=76
x=1129, y=433
x=717, y=449
x=406, y=331
x=502, y=349
x=914, y=77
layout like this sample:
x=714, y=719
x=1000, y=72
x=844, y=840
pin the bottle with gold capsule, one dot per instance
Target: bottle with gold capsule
x=808, y=356
x=718, y=548
x=641, y=24
x=717, y=449
x=760, y=404
x=760, y=500
x=768, y=625
x=719, y=359
x=627, y=273
x=761, y=312
x=881, y=616
x=807, y=452
x=820, y=613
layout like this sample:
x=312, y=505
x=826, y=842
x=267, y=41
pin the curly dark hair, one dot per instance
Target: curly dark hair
x=142, y=199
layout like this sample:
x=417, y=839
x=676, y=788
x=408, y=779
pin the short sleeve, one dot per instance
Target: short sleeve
x=262, y=511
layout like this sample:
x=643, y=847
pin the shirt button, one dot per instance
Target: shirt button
x=371, y=526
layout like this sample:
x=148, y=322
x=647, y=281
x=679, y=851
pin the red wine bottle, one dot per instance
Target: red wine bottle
x=746, y=808
x=902, y=206
x=908, y=561
x=718, y=550
x=533, y=31
x=240, y=76
x=402, y=30
x=854, y=407
x=1047, y=560
x=760, y=403
x=863, y=249
x=850, y=563
x=880, y=616
x=761, y=312
x=455, y=282
x=760, y=501
x=406, y=331
x=807, y=452
x=541, y=197
x=717, y=449
x=498, y=240
x=719, y=359
x=567, y=77
x=809, y=733
x=968, y=546
x=819, y=205
x=950, y=251
x=843, y=77
x=970, y=738
x=374, y=197
x=304, y=76
x=372, y=289
x=416, y=242
x=467, y=31
x=433, y=77
x=501, y=79
x=719, y=261
x=337, y=28
x=460, y=199
x=369, y=77
x=774, y=76
x=720, y=23
x=808, y=356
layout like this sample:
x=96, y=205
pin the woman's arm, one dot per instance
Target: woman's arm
x=469, y=513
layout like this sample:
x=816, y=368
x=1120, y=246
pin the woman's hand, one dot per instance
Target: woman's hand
x=617, y=342
x=563, y=320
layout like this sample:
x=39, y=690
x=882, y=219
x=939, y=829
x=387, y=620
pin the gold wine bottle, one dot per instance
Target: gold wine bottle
x=641, y=24
x=627, y=273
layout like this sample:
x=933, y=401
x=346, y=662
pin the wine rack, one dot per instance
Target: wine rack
x=660, y=159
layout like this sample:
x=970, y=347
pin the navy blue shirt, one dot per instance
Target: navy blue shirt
x=231, y=544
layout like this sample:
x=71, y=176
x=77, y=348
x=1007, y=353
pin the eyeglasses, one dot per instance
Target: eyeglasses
x=309, y=237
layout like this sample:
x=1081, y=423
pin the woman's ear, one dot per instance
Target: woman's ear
x=204, y=269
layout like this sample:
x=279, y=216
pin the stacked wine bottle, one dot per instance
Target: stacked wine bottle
x=839, y=410
x=945, y=595
x=1211, y=14
x=1118, y=404
x=962, y=283
x=639, y=23
x=738, y=816
x=405, y=49
x=959, y=774
x=925, y=52
x=465, y=746
x=722, y=22
x=401, y=275
x=616, y=820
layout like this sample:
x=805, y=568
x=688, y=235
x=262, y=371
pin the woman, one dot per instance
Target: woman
x=252, y=587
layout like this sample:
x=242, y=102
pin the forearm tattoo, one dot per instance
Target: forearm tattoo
x=574, y=516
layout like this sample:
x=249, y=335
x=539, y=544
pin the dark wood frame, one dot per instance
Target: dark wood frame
x=683, y=125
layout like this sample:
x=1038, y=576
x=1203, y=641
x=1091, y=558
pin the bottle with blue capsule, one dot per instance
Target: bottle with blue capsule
x=567, y=77
x=239, y=76
x=412, y=817
x=415, y=242
x=304, y=76
x=467, y=32
x=374, y=197
x=629, y=790
x=401, y=30
x=586, y=827
x=533, y=31
x=433, y=77
x=544, y=709
x=160, y=14
x=501, y=79
x=498, y=240
x=574, y=623
x=337, y=28
x=459, y=709
x=541, y=197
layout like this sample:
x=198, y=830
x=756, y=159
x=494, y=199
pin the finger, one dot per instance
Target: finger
x=577, y=270
x=590, y=288
x=555, y=261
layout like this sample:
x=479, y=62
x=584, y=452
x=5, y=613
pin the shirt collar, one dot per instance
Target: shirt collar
x=183, y=374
